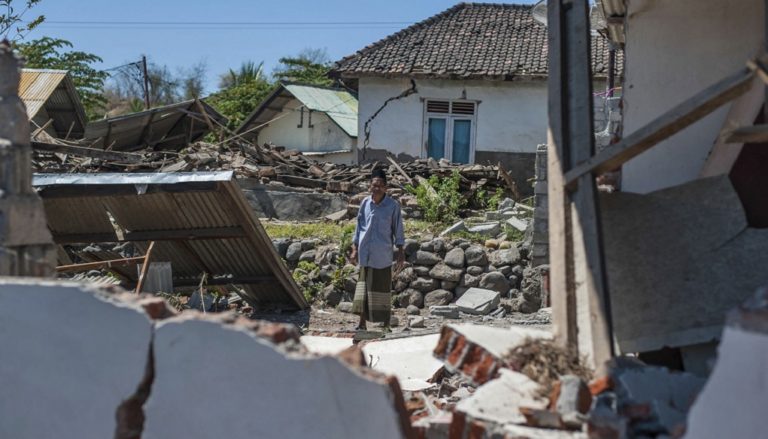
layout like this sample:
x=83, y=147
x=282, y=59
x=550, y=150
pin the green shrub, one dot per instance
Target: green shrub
x=439, y=199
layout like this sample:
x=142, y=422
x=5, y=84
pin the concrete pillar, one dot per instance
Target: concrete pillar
x=540, y=252
x=26, y=246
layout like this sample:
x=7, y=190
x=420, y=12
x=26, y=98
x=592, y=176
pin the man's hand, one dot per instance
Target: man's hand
x=400, y=260
x=353, y=255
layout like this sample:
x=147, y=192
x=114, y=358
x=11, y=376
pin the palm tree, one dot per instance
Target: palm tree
x=249, y=72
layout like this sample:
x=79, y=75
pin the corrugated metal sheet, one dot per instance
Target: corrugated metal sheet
x=53, y=92
x=175, y=207
x=170, y=127
x=339, y=105
x=614, y=12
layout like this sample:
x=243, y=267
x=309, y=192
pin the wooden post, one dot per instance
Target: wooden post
x=578, y=283
x=144, y=267
x=26, y=245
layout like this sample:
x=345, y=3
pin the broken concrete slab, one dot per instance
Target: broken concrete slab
x=478, y=301
x=733, y=401
x=455, y=228
x=71, y=356
x=290, y=204
x=325, y=345
x=409, y=359
x=487, y=229
x=476, y=351
x=716, y=263
x=185, y=399
x=499, y=401
x=447, y=311
x=517, y=223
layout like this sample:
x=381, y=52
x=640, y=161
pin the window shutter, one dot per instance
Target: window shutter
x=438, y=107
x=465, y=108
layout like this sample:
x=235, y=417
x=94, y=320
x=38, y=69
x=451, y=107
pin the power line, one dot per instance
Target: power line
x=234, y=23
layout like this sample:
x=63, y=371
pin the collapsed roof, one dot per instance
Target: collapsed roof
x=52, y=102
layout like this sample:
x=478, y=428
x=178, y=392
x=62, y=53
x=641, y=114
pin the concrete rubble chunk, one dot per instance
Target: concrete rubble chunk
x=457, y=227
x=415, y=321
x=337, y=216
x=447, y=311
x=499, y=400
x=409, y=359
x=184, y=399
x=732, y=402
x=476, y=351
x=478, y=301
x=517, y=223
x=487, y=229
x=71, y=355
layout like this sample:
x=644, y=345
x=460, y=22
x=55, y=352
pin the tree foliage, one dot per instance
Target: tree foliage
x=310, y=66
x=11, y=16
x=238, y=101
x=54, y=53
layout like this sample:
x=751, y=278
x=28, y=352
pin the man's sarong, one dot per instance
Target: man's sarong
x=373, y=294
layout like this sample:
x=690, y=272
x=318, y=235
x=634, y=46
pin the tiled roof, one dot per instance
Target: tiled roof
x=466, y=41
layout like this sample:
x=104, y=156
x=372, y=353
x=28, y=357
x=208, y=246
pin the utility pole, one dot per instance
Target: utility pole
x=146, y=82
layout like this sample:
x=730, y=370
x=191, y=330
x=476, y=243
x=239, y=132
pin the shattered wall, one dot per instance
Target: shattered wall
x=75, y=359
x=675, y=49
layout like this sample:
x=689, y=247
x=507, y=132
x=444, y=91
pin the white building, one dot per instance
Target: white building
x=321, y=122
x=468, y=85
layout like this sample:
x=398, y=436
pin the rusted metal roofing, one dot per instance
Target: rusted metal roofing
x=51, y=94
x=201, y=222
x=170, y=127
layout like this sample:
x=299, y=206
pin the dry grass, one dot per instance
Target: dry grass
x=545, y=362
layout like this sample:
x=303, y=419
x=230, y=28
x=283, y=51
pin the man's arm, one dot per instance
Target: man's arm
x=356, y=236
x=398, y=232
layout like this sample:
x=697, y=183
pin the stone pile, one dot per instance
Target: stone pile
x=439, y=272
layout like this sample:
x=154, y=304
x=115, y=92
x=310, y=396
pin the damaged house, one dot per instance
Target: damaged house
x=53, y=105
x=467, y=85
x=321, y=122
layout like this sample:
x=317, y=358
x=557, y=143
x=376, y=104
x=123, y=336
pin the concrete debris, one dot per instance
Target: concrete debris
x=457, y=227
x=478, y=301
x=732, y=401
x=409, y=359
x=517, y=223
x=447, y=311
x=488, y=229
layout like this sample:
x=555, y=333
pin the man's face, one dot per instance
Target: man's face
x=378, y=187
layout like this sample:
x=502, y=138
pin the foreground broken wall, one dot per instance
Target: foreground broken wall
x=65, y=374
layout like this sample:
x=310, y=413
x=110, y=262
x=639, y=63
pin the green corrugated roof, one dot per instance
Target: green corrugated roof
x=339, y=105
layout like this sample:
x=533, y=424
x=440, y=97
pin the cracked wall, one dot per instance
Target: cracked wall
x=83, y=362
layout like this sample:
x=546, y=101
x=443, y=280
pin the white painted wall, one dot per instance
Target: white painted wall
x=674, y=50
x=511, y=116
x=324, y=135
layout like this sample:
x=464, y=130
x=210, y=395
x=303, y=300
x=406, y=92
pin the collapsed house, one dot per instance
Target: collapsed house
x=53, y=105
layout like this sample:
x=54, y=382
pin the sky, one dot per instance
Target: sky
x=224, y=34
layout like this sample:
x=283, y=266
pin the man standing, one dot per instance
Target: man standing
x=379, y=225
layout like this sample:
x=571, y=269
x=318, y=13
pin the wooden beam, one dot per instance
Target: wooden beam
x=748, y=134
x=400, y=170
x=74, y=268
x=154, y=235
x=664, y=126
x=743, y=112
x=110, y=156
x=145, y=267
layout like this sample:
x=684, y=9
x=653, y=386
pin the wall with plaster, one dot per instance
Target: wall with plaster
x=674, y=49
x=324, y=135
x=511, y=116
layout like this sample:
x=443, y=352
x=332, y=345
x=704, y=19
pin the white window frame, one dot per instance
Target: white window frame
x=449, y=118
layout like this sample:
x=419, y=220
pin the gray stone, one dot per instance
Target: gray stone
x=438, y=297
x=426, y=258
x=406, y=275
x=458, y=227
x=517, y=270
x=447, y=311
x=411, y=246
x=479, y=301
x=427, y=246
x=326, y=273
x=309, y=244
x=448, y=285
x=469, y=280
x=412, y=310
x=510, y=256
x=475, y=255
x=281, y=246
x=506, y=203
x=495, y=281
x=293, y=252
x=439, y=245
x=488, y=229
x=416, y=322
x=402, y=300
x=345, y=307
x=308, y=256
x=444, y=272
x=399, y=286
x=517, y=223
x=455, y=258
x=421, y=270
x=415, y=297
x=331, y=295
x=424, y=284
x=514, y=281
x=504, y=269
x=394, y=321
x=475, y=270
x=350, y=284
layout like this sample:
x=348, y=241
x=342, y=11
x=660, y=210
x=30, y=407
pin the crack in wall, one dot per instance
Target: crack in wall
x=130, y=413
x=367, y=126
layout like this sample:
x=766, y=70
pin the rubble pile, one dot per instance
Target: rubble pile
x=271, y=164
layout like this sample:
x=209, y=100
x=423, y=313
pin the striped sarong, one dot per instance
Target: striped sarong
x=373, y=294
